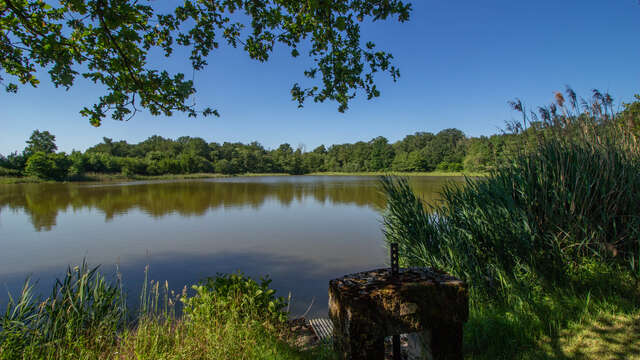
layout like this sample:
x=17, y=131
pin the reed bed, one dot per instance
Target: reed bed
x=547, y=240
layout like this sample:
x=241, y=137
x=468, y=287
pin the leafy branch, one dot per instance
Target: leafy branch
x=108, y=41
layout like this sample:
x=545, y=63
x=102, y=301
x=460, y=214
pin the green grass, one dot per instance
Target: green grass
x=99, y=177
x=549, y=242
x=504, y=333
x=404, y=174
x=592, y=317
x=121, y=177
x=107, y=177
x=85, y=317
x=621, y=334
x=234, y=317
x=199, y=340
x=21, y=180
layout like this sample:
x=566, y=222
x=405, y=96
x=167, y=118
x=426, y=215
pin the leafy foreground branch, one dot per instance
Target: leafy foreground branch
x=86, y=317
x=110, y=43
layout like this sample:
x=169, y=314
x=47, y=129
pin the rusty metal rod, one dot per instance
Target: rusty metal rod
x=395, y=271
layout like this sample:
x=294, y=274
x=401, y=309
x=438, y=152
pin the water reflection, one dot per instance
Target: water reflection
x=301, y=278
x=302, y=231
x=43, y=202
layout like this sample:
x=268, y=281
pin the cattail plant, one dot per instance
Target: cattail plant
x=569, y=195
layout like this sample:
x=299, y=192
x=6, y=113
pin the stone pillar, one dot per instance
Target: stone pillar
x=366, y=307
x=447, y=341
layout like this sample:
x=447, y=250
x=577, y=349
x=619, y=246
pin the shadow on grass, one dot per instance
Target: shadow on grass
x=562, y=327
x=604, y=337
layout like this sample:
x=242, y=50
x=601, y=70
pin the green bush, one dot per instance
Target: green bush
x=153, y=167
x=78, y=165
x=9, y=172
x=133, y=166
x=85, y=317
x=224, y=166
x=15, y=161
x=191, y=163
x=450, y=166
x=48, y=166
x=239, y=296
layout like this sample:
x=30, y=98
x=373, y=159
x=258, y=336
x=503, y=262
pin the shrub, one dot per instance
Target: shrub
x=238, y=296
x=15, y=161
x=169, y=166
x=48, y=166
x=192, y=163
x=153, y=167
x=103, y=163
x=78, y=165
x=85, y=317
x=449, y=166
x=132, y=166
x=9, y=172
x=224, y=166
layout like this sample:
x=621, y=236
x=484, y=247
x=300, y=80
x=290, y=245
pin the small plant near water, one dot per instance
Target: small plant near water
x=239, y=296
x=83, y=301
x=85, y=317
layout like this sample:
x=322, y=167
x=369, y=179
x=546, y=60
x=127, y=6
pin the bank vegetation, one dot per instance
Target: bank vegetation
x=549, y=242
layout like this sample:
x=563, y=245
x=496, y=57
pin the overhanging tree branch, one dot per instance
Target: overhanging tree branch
x=115, y=37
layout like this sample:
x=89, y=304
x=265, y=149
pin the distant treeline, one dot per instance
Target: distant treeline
x=448, y=150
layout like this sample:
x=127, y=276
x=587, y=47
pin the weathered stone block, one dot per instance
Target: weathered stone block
x=368, y=306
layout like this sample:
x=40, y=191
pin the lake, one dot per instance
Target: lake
x=302, y=231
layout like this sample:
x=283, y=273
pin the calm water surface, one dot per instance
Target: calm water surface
x=300, y=230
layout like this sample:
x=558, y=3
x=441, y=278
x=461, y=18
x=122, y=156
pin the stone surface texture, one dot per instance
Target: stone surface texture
x=368, y=306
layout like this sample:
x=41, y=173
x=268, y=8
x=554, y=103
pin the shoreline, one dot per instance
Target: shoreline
x=402, y=173
x=107, y=178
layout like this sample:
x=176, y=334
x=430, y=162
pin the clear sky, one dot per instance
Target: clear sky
x=460, y=62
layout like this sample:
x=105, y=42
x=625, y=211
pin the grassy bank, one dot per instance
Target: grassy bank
x=23, y=180
x=86, y=317
x=549, y=242
x=97, y=177
x=404, y=174
x=233, y=317
x=122, y=177
x=526, y=301
x=601, y=320
x=600, y=334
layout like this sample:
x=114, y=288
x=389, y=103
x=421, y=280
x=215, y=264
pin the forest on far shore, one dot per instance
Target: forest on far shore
x=448, y=150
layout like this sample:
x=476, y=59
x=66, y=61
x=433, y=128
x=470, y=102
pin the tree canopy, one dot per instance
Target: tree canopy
x=42, y=141
x=109, y=42
x=448, y=150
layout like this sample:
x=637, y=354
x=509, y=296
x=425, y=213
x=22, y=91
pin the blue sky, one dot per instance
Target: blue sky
x=460, y=62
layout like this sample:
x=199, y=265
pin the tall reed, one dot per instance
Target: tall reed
x=83, y=301
x=229, y=316
x=570, y=195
